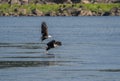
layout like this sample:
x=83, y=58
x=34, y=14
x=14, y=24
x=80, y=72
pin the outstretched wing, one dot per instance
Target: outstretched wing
x=44, y=29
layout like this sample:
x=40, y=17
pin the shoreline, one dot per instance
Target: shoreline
x=60, y=10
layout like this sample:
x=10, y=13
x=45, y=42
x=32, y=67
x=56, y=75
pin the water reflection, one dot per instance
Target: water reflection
x=24, y=55
x=23, y=45
x=22, y=48
x=6, y=64
x=110, y=70
x=30, y=56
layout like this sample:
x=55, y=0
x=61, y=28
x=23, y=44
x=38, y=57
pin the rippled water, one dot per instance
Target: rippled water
x=90, y=50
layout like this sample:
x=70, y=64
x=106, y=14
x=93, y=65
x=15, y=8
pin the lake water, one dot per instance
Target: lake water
x=90, y=49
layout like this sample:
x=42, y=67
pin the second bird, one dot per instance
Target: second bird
x=44, y=31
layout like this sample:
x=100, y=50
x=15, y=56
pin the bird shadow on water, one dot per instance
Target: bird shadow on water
x=23, y=45
x=8, y=64
x=27, y=55
x=27, y=61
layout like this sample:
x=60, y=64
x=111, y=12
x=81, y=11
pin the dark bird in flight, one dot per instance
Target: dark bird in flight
x=44, y=31
x=53, y=44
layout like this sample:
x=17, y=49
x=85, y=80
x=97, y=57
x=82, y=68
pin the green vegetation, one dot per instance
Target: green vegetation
x=102, y=6
x=7, y=8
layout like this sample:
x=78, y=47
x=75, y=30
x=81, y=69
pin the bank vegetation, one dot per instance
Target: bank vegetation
x=101, y=9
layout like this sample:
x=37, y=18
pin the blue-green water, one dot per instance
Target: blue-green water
x=90, y=50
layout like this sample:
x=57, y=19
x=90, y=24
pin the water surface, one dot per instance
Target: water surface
x=90, y=50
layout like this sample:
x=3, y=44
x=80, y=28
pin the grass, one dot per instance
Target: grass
x=4, y=7
x=104, y=7
x=7, y=8
x=47, y=8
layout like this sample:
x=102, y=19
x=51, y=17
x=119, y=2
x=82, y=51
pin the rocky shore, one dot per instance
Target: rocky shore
x=21, y=2
x=62, y=11
x=81, y=12
x=66, y=8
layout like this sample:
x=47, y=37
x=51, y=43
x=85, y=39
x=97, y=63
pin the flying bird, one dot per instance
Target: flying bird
x=44, y=31
x=53, y=44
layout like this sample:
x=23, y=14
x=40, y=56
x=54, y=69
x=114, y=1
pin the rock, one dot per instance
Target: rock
x=94, y=14
x=85, y=1
x=89, y=13
x=71, y=11
x=115, y=11
x=65, y=13
x=76, y=12
x=115, y=1
x=16, y=10
x=99, y=12
x=61, y=10
x=62, y=1
x=75, y=1
x=37, y=12
x=6, y=14
x=31, y=14
x=107, y=1
x=14, y=2
x=85, y=13
x=106, y=14
x=24, y=2
x=68, y=2
x=4, y=1
x=52, y=13
x=22, y=12
x=10, y=13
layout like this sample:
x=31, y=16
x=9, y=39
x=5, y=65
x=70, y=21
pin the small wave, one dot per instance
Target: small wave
x=23, y=45
x=110, y=70
x=6, y=64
